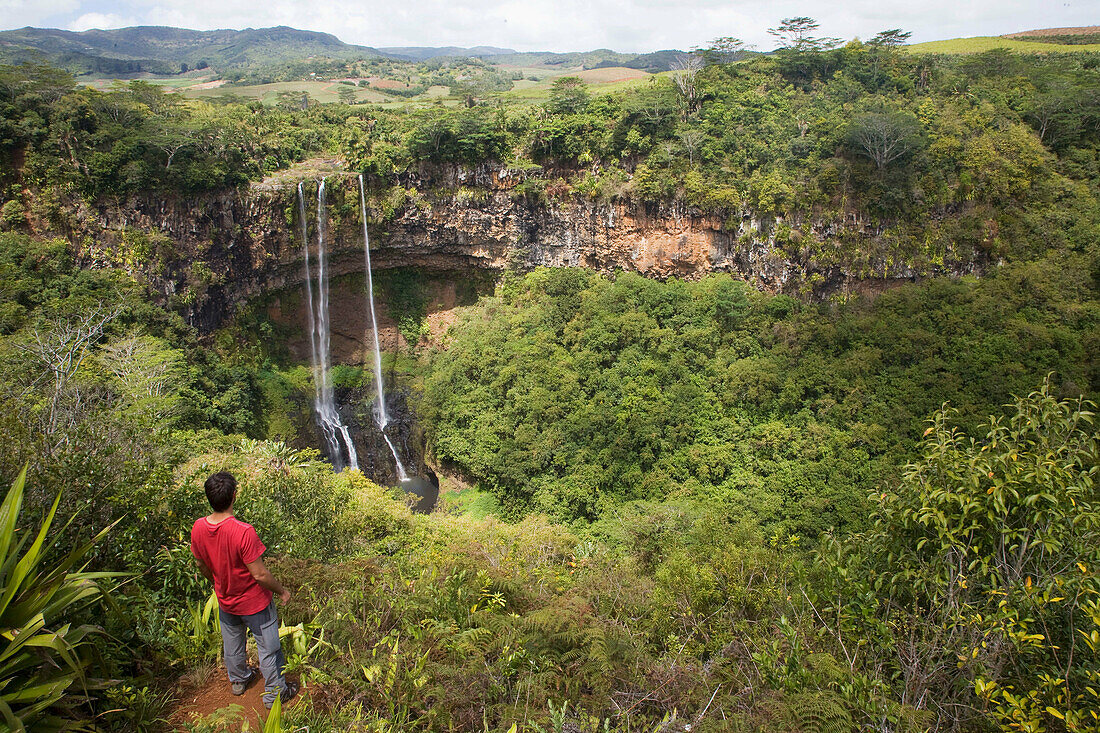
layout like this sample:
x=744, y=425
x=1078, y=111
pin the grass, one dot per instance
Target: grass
x=538, y=72
x=176, y=81
x=471, y=502
x=436, y=92
x=421, y=101
x=979, y=44
x=611, y=74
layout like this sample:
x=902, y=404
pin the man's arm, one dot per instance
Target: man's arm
x=206, y=572
x=264, y=577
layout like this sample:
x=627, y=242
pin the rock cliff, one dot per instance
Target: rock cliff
x=212, y=253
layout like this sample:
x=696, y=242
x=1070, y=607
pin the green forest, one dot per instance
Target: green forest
x=670, y=505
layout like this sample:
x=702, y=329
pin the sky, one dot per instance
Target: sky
x=562, y=25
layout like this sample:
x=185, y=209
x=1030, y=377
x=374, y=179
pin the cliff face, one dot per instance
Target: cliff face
x=212, y=253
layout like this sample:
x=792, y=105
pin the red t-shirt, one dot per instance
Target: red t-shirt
x=225, y=548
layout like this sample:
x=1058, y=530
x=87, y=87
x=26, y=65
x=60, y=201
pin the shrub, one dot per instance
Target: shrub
x=12, y=214
x=996, y=543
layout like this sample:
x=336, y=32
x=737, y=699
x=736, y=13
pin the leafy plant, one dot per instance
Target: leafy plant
x=229, y=719
x=41, y=659
x=196, y=639
x=274, y=722
x=136, y=708
x=985, y=562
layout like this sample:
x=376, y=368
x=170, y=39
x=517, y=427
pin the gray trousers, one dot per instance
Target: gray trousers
x=265, y=627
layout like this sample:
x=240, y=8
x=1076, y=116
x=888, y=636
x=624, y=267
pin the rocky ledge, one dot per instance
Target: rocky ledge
x=211, y=253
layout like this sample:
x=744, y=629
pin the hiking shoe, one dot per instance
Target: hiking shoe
x=286, y=695
x=239, y=688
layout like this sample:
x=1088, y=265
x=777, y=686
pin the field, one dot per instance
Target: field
x=529, y=72
x=322, y=91
x=534, y=88
x=175, y=82
x=979, y=44
x=600, y=81
x=1072, y=31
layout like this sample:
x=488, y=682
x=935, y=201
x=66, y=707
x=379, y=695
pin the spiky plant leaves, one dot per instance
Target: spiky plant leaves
x=39, y=662
x=274, y=722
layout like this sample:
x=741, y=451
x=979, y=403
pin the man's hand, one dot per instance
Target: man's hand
x=264, y=577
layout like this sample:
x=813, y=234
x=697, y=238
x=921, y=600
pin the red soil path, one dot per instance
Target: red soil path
x=215, y=694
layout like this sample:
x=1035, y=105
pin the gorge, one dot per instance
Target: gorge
x=459, y=228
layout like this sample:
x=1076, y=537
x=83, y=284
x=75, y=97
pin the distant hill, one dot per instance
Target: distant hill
x=654, y=62
x=423, y=53
x=1023, y=44
x=1078, y=36
x=256, y=55
x=163, y=50
x=601, y=58
x=583, y=59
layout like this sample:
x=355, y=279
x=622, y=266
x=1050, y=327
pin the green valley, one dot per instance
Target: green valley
x=758, y=388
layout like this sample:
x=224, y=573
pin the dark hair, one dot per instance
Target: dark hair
x=221, y=487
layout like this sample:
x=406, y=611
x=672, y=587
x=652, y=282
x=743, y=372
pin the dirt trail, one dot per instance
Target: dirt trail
x=214, y=695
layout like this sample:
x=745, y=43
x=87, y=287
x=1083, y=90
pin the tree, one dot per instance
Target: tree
x=987, y=557
x=684, y=71
x=1059, y=112
x=724, y=50
x=42, y=80
x=59, y=348
x=654, y=103
x=692, y=139
x=149, y=375
x=890, y=38
x=346, y=94
x=172, y=137
x=568, y=95
x=800, y=56
x=292, y=100
x=153, y=97
x=794, y=35
x=884, y=137
x=884, y=47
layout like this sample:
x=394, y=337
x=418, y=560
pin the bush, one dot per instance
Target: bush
x=996, y=543
x=13, y=214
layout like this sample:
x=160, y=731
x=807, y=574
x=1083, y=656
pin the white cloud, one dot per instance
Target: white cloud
x=18, y=13
x=561, y=25
x=103, y=21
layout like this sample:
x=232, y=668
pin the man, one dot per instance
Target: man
x=229, y=553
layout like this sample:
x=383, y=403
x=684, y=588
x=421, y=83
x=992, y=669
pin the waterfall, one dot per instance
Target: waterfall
x=333, y=429
x=383, y=418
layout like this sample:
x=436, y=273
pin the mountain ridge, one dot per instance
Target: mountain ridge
x=166, y=49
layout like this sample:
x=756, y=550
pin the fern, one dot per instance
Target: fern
x=599, y=654
x=817, y=712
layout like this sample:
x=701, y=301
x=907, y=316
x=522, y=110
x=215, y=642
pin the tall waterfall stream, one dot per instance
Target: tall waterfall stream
x=383, y=418
x=337, y=437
